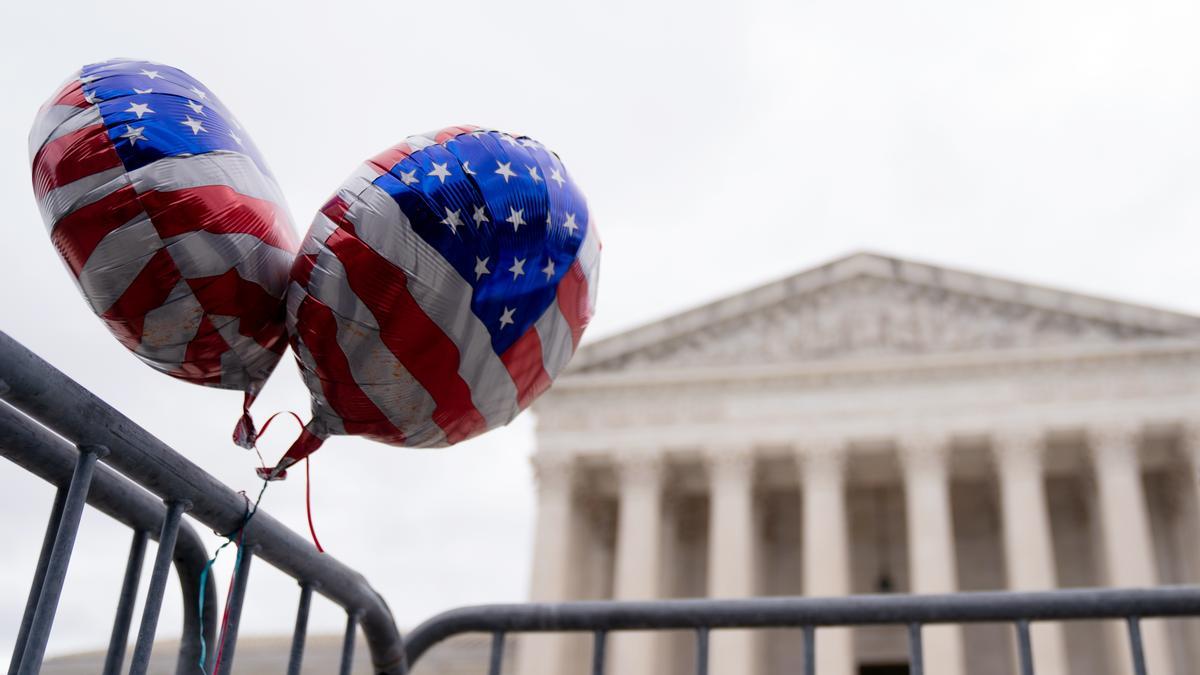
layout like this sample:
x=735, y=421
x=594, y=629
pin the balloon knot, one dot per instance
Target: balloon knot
x=267, y=473
x=244, y=434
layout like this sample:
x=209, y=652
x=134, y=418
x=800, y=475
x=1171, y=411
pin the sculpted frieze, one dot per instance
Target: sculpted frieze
x=872, y=316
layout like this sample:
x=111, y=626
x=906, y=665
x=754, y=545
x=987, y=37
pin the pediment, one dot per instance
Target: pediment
x=869, y=305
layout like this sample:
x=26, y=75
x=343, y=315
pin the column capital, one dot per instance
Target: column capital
x=553, y=470
x=639, y=466
x=820, y=446
x=1113, y=440
x=821, y=455
x=1189, y=431
x=923, y=451
x=730, y=461
x=1023, y=445
x=1189, y=438
x=1020, y=436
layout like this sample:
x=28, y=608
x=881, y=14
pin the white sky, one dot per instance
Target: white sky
x=721, y=145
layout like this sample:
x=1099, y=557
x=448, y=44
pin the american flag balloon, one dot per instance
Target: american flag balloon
x=440, y=290
x=170, y=222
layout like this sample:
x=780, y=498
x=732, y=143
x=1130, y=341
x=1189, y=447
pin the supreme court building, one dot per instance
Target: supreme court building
x=875, y=425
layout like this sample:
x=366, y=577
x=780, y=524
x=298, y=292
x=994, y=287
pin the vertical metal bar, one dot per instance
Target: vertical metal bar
x=497, y=661
x=598, y=640
x=298, y=636
x=1135, y=645
x=810, y=650
x=158, y=584
x=129, y=586
x=1024, y=649
x=916, y=653
x=60, y=559
x=702, y=651
x=348, y=643
x=39, y=578
x=199, y=632
x=233, y=610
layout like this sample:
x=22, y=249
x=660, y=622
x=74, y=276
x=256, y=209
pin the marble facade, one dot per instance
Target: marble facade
x=875, y=425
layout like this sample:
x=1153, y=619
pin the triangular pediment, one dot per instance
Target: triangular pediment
x=871, y=305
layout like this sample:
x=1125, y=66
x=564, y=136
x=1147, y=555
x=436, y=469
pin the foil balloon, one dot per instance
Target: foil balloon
x=169, y=221
x=440, y=290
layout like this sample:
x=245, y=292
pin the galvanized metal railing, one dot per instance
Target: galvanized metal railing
x=37, y=399
x=808, y=615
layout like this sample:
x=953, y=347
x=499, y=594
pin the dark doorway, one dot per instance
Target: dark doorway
x=884, y=669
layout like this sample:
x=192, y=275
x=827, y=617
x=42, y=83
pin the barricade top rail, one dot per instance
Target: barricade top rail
x=809, y=614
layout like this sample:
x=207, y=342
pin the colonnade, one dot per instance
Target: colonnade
x=1018, y=456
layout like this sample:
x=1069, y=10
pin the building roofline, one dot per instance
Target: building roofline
x=868, y=264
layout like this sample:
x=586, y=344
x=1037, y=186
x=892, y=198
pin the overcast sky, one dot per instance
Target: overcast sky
x=721, y=145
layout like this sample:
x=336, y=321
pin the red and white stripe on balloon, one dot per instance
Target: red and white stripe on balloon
x=168, y=219
x=441, y=289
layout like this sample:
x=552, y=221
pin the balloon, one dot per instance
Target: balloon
x=440, y=290
x=170, y=222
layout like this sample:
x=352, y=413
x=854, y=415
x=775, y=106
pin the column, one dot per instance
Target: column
x=546, y=654
x=1125, y=531
x=731, y=554
x=1028, y=547
x=931, y=558
x=639, y=535
x=1185, y=635
x=1190, y=442
x=825, y=545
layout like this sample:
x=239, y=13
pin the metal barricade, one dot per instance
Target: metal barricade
x=37, y=400
x=808, y=615
x=51, y=458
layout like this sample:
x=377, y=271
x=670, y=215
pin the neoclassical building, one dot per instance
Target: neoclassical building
x=875, y=425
